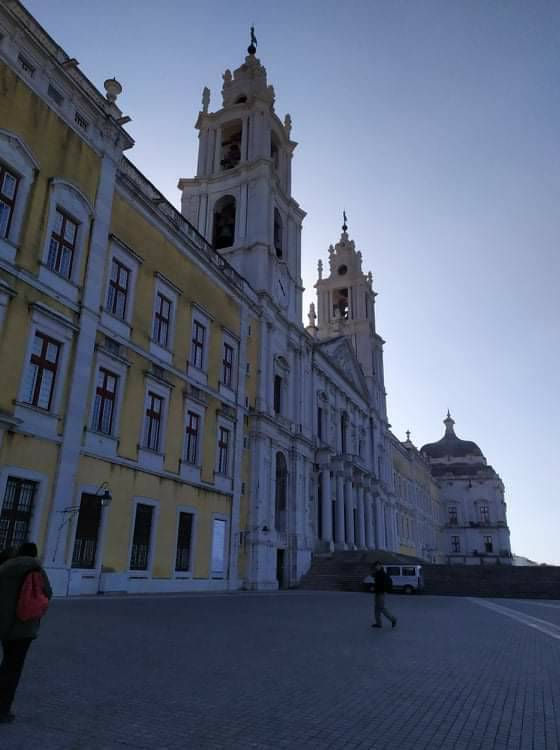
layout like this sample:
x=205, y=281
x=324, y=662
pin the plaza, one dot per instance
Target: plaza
x=266, y=671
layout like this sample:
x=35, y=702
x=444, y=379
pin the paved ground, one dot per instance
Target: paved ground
x=290, y=671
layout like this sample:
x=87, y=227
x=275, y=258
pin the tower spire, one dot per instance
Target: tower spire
x=252, y=48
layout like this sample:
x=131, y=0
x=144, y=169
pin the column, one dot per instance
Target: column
x=349, y=506
x=370, y=536
x=326, y=509
x=217, y=151
x=244, y=133
x=361, y=518
x=339, y=535
x=380, y=524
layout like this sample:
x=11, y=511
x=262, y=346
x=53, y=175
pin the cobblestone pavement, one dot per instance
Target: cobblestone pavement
x=294, y=670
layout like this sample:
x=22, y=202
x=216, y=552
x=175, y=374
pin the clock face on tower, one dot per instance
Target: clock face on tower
x=282, y=286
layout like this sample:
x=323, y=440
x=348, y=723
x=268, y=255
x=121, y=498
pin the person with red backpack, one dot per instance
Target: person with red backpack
x=25, y=592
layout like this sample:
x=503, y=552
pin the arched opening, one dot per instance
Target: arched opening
x=241, y=99
x=281, y=489
x=231, y=145
x=274, y=150
x=224, y=222
x=278, y=233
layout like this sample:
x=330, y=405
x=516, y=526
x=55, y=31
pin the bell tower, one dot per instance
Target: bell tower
x=240, y=199
x=346, y=307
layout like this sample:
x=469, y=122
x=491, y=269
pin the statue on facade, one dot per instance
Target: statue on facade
x=205, y=98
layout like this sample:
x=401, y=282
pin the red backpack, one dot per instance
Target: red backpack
x=32, y=602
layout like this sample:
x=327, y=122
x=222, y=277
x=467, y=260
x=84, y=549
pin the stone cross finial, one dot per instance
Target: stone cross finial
x=320, y=269
x=205, y=98
x=288, y=125
x=312, y=315
x=345, y=220
x=408, y=436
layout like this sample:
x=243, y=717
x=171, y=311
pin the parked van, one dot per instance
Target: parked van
x=406, y=578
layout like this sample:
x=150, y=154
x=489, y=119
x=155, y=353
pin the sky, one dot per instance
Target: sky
x=436, y=125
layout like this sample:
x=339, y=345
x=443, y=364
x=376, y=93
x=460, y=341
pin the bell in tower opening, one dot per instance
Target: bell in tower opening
x=340, y=303
x=224, y=222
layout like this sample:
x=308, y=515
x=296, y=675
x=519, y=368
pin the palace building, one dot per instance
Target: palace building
x=167, y=423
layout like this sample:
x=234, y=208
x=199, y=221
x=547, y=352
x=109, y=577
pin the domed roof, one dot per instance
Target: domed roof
x=450, y=445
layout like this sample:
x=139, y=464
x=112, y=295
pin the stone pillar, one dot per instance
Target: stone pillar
x=217, y=151
x=370, y=536
x=361, y=518
x=380, y=524
x=326, y=507
x=349, y=506
x=340, y=530
x=244, y=132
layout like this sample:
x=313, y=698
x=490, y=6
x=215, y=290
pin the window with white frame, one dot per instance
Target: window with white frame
x=224, y=441
x=62, y=244
x=105, y=401
x=227, y=365
x=452, y=516
x=183, y=555
x=198, y=345
x=41, y=372
x=69, y=217
x=153, y=419
x=17, y=172
x=118, y=291
x=17, y=510
x=162, y=320
x=484, y=513
x=142, y=537
x=192, y=437
x=8, y=188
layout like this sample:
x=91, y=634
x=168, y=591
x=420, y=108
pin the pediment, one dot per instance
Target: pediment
x=342, y=355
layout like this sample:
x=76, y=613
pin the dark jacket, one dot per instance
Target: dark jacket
x=381, y=581
x=12, y=574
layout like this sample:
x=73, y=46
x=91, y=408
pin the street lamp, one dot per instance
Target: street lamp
x=69, y=512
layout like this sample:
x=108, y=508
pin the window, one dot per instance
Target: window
x=118, y=289
x=484, y=514
x=17, y=509
x=488, y=544
x=277, y=394
x=184, y=542
x=409, y=572
x=452, y=515
x=41, y=372
x=455, y=544
x=25, y=65
x=227, y=366
x=152, y=422
x=162, y=318
x=8, y=189
x=277, y=233
x=62, y=244
x=139, y=556
x=55, y=95
x=104, y=403
x=319, y=423
x=224, y=222
x=81, y=121
x=393, y=570
x=223, y=450
x=197, y=352
x=191, y=442
x=87, y=532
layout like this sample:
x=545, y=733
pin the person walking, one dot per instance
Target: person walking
x=382, y=584
x=16, y=635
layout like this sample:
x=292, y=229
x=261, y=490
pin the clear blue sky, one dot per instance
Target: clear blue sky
x=436, y=124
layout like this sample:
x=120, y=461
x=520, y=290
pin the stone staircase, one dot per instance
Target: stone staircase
x=345, y=571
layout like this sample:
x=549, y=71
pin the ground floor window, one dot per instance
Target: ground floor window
x=184, y=542
x=17, y=509
x=87, y=532
x=141, y=538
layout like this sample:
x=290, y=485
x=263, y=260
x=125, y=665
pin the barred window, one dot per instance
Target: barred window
x=87, y=532
x=104, y=404
x=141, y=538
x=184, y=542
x=62, y=244
x=41, y=372
x=17, y=510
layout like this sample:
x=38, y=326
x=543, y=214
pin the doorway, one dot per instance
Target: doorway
x=280, y=571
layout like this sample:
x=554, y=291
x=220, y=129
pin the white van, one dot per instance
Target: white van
x=406, y=578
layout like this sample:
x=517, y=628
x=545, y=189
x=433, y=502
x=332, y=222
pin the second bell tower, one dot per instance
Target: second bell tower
x=240, y=199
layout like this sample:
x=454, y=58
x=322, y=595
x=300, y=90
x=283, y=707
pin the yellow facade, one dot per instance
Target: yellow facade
x=56, y=450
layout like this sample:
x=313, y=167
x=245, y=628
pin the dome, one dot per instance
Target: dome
x=450, y=445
